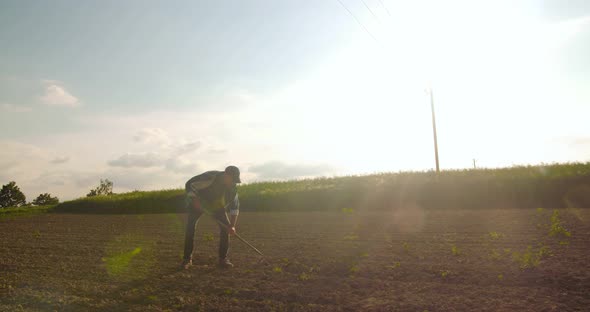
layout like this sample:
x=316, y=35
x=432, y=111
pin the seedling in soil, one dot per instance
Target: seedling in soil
x=455, y=250
x=543, y=252
x=530, y=259
x=394, y=266
x=500, y=277
x=277, y=270
x=303, y=276
x=444, y=273
x=354, y=269
x=351, y=237
x=495, y=235
x=208, y=237
x=495, y=255
x=406, y=246
x=557, y=228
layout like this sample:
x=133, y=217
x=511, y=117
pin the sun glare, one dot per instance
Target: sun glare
x=466, y=58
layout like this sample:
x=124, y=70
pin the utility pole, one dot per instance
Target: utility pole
x=434, y=130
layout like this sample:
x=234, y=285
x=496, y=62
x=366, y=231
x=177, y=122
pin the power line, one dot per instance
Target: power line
x=386, y=10
x=359, y=22
x=368, y=8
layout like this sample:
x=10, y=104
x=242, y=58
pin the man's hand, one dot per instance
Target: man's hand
x=231, y=230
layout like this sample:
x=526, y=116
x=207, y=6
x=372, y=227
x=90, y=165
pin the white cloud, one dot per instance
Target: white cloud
x=280, y=170
x=15, y=108
x=151, y=135
x=22, y=163
x=582, y=141
x=17, y=157
x=145, y=160
x=57, y=95
x=181, y=165
x=60, y=160
x=188, y=148
x=217, y=151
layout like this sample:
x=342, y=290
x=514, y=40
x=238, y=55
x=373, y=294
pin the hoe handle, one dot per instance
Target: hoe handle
x=240, y=238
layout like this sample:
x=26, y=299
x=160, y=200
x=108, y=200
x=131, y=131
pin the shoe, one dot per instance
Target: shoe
x=225, y=264
x=186, y=264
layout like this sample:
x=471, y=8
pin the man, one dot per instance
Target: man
x=213, y=193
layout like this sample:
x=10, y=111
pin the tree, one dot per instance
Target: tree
x=105, y=188
x=11, y=196
x=45, y=199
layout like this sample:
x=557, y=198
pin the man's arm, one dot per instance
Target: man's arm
x=201, y=181
x=234, y=208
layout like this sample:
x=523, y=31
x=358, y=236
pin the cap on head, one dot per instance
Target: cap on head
x=234, y=172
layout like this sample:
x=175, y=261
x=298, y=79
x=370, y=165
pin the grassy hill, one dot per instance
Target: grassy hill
x=553, y=186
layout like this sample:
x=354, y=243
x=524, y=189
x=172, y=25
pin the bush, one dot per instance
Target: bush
x=105, y=188
x=45, y=199
x=11, y=196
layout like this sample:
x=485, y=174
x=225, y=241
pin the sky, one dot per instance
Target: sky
x=148, y=94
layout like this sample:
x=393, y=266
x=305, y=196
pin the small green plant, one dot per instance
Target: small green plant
x=347, y=210
x=364, y=255
x=406, y=246
x=394, y=266
x=455, y=251
x=444, y=273
x=303, y=276
x=500, y=277
x=495, y=235
x=543, y=252
x=354, y=269
x=228, y=292
x=495, y=255
x=530, y=258
x=152, y=298
x=351, y=237
x=540, y=210
x=557, y=228
x=285, y=260
x=208, y=237
x=277, y=270
x=37, y=234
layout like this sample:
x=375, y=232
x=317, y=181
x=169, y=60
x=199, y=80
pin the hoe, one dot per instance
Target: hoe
x=238, y=236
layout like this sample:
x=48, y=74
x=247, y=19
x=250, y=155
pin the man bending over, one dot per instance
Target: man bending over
x=213, y=193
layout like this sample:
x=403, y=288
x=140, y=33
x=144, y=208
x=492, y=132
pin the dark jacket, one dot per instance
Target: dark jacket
x=209, y=188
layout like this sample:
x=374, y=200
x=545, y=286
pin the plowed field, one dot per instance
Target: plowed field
x=408, y=260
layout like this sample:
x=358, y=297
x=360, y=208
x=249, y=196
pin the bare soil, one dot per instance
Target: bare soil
x=407, y=260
